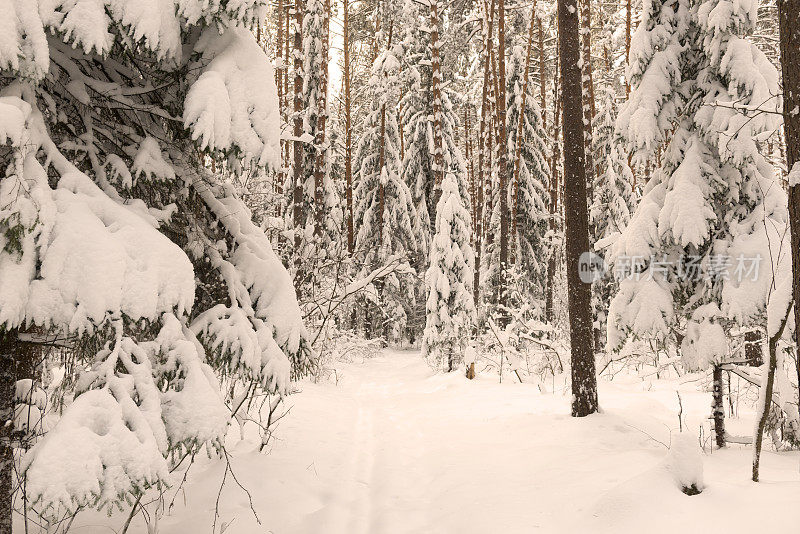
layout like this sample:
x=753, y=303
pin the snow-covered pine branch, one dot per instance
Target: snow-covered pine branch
x=115, y=236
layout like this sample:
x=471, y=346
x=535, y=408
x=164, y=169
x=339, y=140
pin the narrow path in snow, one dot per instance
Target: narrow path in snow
x=430, y=453
x=394, y=448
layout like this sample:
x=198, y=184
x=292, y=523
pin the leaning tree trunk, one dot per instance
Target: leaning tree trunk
x=765, y=396
x=789, y=21
x=584, y=380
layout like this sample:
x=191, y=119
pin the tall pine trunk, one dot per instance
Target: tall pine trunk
x=627, y=44
x=321, y=160
x=279, y=179
x=502, y=160
x=789, y=23
x=482, y=147
x=584, y=381
x=521, y=126
x=588, y=89
x=348, y=127
x=297, y=193
x=436, y=96
x=555, y=208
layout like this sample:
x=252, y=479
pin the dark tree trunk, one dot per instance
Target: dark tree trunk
x=482, y=148
x=520, y=139
x=718, y=406
x=553, y=185
x=584, y=380
x=348, y=127
x=789, y=21
x=436, y=93
x=588, y=90
x=279, y=179
x=766, y=395
x=7, y=372
x=752, y=349
x=627, y=43
x=297, y=193
x=320, y=159
x=502, y=160
x=18, y=360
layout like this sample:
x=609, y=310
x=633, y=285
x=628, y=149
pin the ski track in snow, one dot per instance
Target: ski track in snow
x=393, y=448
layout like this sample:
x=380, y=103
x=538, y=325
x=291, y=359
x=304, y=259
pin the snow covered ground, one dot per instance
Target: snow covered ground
x=393, y=448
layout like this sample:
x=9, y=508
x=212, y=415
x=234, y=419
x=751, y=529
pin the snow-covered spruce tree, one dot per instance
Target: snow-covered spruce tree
x=384, y=208
x=321, y=213
x=450, y=310
x=416, y=107
x=530, y=208
x=713, y=203
x=612, y=200
x=117, y=242
x=417, y=124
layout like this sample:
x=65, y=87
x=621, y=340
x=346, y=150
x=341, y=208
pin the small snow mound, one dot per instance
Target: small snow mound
x=685, y=463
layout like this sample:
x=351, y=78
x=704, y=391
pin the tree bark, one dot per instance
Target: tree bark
x=627, y=44
x=542, y=74
x=18, y=360
x=436, y=93
x=382, y=158
x=6, y=430
x=789, y=25
x=277, y=185
x=521, y=126
x=584, y=380
x=588, y=90
x=551, y=260
x=482, y=147
x=554, y=197
x=718, y=406
x=348, y=126
x=766, y=395
x=503, y=317
x=297, y=193
x=753, y=354
x=321, y=160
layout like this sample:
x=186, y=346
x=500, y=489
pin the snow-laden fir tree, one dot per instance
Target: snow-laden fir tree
x=612, y=199
x=322, y=215
x=529, y=193
x=384, y=213
x=713, y=209
x=315, y=90
x=450, y=310
x=116, y=240
x=416, y=114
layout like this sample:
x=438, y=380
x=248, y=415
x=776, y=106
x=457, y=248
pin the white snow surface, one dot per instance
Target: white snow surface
x=395, y=448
